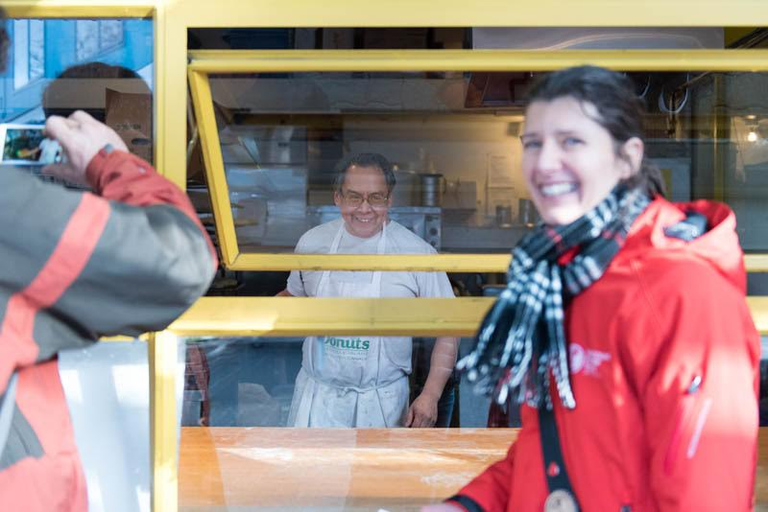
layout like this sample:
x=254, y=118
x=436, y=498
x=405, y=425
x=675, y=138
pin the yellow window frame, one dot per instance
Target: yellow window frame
x=204, y=63
x=303, y=316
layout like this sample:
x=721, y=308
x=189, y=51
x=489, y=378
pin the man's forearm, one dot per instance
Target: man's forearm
x=441, y=365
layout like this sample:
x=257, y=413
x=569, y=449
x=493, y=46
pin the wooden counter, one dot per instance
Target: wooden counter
x=344, y=469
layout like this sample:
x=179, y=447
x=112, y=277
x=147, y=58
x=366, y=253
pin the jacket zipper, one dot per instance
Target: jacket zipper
x=689, y=423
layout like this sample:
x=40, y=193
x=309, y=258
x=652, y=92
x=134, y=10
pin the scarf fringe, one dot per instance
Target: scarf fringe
x=521, y=343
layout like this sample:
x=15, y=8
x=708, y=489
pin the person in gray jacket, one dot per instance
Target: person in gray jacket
x=127, y=258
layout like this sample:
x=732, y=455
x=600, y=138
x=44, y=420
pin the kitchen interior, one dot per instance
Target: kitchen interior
x=453, y=138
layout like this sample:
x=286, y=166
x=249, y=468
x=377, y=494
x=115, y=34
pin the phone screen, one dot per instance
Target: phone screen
x=27, y=145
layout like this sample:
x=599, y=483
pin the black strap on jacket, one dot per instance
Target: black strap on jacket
x=554, y=464
x=465, y=501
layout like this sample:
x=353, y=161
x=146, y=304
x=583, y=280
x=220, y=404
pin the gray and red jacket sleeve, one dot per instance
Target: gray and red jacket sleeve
x=126, y=259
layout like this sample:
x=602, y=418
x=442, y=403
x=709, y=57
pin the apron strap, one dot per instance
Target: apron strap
x=334, y=249
x=344, y=389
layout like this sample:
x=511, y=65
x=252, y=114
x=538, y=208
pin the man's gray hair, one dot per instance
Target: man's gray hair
x=374, y=160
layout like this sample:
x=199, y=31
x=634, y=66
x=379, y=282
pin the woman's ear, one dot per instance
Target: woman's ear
x=632, y=152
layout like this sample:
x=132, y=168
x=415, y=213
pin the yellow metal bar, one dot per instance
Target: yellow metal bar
x=79, y=8
x=123, y=339
x=170, y=45
x=294, y=316
x=480, y=13
x=162, y=413
x=756, y=262
x=248, y=61
x=171, y=89
x=410, y=262
x=759, y=309
x=159, y=87
x=251, y=61
x=214, y=166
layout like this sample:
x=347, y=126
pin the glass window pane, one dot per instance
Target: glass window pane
x=20, y=53
x=249, y=382
x=36, y=49
x=111, y=33
x=107, y=391
x=87, y=39
x=253, y=381
x=282, y=137
x=453, y=141
x=116, y=90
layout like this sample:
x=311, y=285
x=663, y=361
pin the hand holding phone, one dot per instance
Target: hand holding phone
x=81, y=137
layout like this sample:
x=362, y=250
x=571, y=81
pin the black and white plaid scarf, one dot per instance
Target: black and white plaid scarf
x=521, y=341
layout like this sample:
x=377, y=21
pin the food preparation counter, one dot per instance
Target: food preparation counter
x=271, y=469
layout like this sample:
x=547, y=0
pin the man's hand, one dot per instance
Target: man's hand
x=442, y=507
x=423, y=411
x=81, y=137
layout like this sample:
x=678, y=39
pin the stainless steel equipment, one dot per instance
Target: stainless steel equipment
x=407, y=188
x=432, y=189
x=527, y=213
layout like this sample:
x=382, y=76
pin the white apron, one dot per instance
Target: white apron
x=352, y=381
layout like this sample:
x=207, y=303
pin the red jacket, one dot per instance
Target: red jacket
x=641, y=436
x=126, y=260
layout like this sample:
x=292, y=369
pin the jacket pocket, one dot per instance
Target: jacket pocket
x=690, y=419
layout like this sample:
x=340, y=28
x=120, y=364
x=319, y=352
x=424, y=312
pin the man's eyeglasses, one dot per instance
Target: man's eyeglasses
x=354, y=199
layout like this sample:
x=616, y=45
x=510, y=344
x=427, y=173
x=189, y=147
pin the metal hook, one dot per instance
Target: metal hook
x=663, y=103
x=647, y=88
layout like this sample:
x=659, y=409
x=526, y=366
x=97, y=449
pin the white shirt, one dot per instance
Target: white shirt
x=393, y=284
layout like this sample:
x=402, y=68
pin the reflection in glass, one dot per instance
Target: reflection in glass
x=36, y=49
x=118, y=94
x=453, y=138
x=247, y=382
x=96, y=36
x=86, y=39
x=107, y=390
x=28, y=51
x=111, y=33
x=20, y=53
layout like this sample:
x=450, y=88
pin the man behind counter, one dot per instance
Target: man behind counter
x=362, y=381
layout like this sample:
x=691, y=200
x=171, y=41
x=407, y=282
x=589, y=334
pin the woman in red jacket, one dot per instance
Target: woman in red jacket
x=624, y=330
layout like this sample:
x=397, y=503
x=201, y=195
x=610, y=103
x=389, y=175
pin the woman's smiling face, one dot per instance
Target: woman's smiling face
x=570, y=162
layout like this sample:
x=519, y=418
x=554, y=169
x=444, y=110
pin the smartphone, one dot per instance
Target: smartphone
x=25, y=144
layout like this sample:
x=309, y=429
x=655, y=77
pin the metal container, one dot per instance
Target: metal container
x=527, y=213
x=432, y=189
x=503, y=215
x=407, y=187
